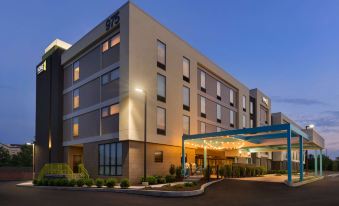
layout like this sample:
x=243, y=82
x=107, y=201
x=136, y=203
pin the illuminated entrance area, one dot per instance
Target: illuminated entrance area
x=243, y=142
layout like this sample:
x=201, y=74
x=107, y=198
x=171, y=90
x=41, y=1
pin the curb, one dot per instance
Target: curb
x=156, y=193
x=298, y=184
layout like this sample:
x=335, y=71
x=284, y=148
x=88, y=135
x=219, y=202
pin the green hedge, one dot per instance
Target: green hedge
x=241, y=170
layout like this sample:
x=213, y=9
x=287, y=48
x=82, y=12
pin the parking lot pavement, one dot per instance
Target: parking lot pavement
x=226, y=192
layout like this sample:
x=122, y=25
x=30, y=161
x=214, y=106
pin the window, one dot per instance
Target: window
x=161, y=121
x=251, y=107
x=186, y=98
x=105, y=46
x=202, y=106
x=186, y=124
x=251, y=123
x=110, y=159
x=75, y=127
x=76, y=99
x=186, y=69
x=161, y=57
x=232, y=118
x=244, y=103
x=218, y=129
x=218, y=113
x=203, y=81
x=202, y=127
x=110, y=76
x=110, y=110
x=218, y=91
x=231, y=97
x=158, y=156
x=243, y=121
x=161, y=88
x=76, y=71
x=115, y=40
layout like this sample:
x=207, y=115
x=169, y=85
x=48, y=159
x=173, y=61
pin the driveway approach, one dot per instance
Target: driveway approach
x=227, y=192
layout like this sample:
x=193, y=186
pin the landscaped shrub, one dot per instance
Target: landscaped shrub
x=228, y=171
x=89, y=182
x=221, y=171
x=178, y=172
x=43, y=182
x=172, y=169
x=170, y=178
x=72, y=182
x=99, y=182
x=161, y=180
x=190, y=184
x=35, y=182
x=124, y=183
x=110, y=182
x=81, y=182
x=151, y=180
x=242, y=171
x=63, y=182
x=51, y=182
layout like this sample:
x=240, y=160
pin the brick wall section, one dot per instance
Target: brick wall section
x=16, y=173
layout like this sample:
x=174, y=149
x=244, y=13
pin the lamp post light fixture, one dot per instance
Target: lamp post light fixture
x=33, y=156
x=311, y=126
x=139, y=90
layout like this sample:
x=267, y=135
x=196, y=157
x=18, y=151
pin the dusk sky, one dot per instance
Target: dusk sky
x=287, y=49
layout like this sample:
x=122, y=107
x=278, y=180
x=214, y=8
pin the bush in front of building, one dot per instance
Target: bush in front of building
x=110, y=182
x=237, y=170
x=161, y=180
x=89, y=182
x=124, y=183
x=172, y=169
x=152, y=180
x=35, y=182
x=99, y=182
x=170, y=178
x=80, y=182
x=72, y=183
x=178, y=174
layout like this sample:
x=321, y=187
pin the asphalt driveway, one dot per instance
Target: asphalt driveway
x=227, y=192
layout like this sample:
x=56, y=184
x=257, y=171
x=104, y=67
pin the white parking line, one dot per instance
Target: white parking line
x=333, y=175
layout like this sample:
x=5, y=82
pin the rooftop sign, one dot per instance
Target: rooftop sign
x=112, y=21
x=41, y=68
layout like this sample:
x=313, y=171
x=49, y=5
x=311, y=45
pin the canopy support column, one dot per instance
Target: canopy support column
x=316, y=162
x=205, y=155
x=301, y=158
x=289, y=159
x=321, y=162
x=183, y=169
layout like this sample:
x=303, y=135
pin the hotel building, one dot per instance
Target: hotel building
x=88, y=110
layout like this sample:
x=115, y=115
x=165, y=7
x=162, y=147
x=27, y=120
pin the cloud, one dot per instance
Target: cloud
x=327, y=121
x=297, y=101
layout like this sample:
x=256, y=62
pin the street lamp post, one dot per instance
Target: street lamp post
x=306, y=153
x=33, y=157
x=145, y=127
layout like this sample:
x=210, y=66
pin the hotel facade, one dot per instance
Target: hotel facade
x=88, y=110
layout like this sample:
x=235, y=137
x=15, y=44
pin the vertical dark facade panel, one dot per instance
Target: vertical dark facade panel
x=49, y=110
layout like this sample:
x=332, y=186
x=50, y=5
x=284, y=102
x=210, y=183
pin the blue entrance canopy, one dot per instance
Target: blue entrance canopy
x=271, y=138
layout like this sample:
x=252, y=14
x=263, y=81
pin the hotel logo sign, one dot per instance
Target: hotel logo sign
x=41, y=68
x=265, y=100
x=112, y=21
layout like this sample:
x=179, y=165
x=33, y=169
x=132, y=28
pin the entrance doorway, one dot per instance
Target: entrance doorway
x=77, y=159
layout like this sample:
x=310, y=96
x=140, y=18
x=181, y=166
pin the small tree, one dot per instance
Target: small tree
x=172, y=169
x=5, y=157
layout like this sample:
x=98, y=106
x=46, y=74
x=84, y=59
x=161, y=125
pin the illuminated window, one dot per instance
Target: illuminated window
x=158, y=156
x=110, y=110
x=161, y=88
x=115, y=40
x=75, y=127
x=161, y=121
x=186, y=98
x=232, y=118
x=218, y=113
x=231, y=97
x=243, y=121
x=76, y=99
x=76, y=71
x=105, y=46
x=203, y=81
x=186, y=69
x=202, y=127
x=161, y=55
x=186, y=124
x=218, y=91
x=203, y=106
